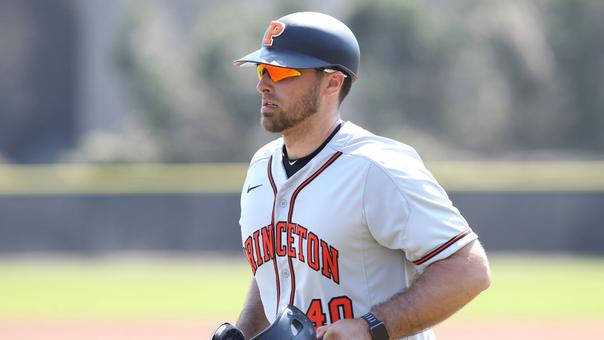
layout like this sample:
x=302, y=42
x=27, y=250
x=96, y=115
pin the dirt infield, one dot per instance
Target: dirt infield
x=196, y=330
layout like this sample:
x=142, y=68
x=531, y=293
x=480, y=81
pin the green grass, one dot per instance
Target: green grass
x=552, y=287
x=523, y=287
x=123, y=289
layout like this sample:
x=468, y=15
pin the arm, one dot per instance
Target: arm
x=252, y=319
x=443, y=288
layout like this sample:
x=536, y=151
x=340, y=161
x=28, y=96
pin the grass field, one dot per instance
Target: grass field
x=122, y=288
x=158, y=298
x=210, y=287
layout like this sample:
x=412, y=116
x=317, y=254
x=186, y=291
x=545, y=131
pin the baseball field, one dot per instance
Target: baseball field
x=146, y=296
x=181, y=297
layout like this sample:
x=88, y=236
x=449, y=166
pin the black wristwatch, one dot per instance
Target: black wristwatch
x=377, y=329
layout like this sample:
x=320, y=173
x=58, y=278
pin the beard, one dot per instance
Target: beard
x=286, y=118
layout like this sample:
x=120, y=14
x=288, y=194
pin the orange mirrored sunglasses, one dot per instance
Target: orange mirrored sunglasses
x=277, y=73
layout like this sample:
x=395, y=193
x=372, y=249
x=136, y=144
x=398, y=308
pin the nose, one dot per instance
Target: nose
x=265, y=84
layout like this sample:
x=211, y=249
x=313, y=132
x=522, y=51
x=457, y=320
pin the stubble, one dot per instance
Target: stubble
x=289, y=117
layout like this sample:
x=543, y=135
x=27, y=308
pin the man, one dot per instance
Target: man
x=347, y=226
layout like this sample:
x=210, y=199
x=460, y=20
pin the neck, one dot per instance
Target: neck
x=306, y=137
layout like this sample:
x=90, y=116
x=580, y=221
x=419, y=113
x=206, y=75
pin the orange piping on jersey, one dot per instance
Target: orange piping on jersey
x=280, y=229
x=442, y=248
x=291, y=250
x=307, y=182
x=267, y=242
x=293, y=280
x=274, y=245
x=291, y=212
x=302, y=232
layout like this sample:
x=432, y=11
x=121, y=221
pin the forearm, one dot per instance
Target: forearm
x=252, y=319
x=440, y=291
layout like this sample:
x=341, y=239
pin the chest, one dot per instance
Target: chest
x=324, y=202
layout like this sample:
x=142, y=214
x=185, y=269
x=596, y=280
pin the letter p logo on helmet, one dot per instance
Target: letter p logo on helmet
x=275, y=29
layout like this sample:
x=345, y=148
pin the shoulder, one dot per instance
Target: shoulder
x=382, y=152
x=266, y=151
x=388, y=161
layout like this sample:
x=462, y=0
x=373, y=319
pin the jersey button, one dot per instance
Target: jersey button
x=285, y=274
x=283, y=203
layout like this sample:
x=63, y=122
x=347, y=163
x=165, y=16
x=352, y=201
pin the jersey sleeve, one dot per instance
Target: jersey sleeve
x=405, y=208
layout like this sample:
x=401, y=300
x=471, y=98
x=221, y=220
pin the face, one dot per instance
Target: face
x=288, y=102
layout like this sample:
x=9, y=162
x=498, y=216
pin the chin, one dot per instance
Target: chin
x=270, y=127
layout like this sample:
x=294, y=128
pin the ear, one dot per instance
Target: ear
x=333, y=83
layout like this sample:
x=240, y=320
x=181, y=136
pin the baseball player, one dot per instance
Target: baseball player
x=349, y=227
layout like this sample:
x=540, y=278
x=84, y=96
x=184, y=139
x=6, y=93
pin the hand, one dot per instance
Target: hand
x=345, y=329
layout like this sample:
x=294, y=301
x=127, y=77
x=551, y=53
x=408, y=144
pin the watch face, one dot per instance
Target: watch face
x=379, y=332
x=376, y=327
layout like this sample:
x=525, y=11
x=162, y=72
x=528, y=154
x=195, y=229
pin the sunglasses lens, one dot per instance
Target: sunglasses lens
x=260, y=69
x=277, y=73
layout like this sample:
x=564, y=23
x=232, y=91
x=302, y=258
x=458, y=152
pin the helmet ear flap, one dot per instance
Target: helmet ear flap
x=291, y=324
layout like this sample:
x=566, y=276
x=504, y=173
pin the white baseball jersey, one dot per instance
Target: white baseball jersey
x=350, y=229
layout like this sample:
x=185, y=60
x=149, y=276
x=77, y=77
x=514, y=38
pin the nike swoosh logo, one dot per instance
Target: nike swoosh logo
x=249, y=188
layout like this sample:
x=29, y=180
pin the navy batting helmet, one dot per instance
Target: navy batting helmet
x=307, y=40
x=292, y=324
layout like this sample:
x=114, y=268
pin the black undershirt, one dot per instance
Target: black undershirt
x=291, y=169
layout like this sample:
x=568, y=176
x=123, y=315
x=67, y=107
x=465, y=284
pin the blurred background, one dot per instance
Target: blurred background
x=125, y=132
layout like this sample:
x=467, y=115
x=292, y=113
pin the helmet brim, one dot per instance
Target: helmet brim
x=280, y=58
x=285, y=58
